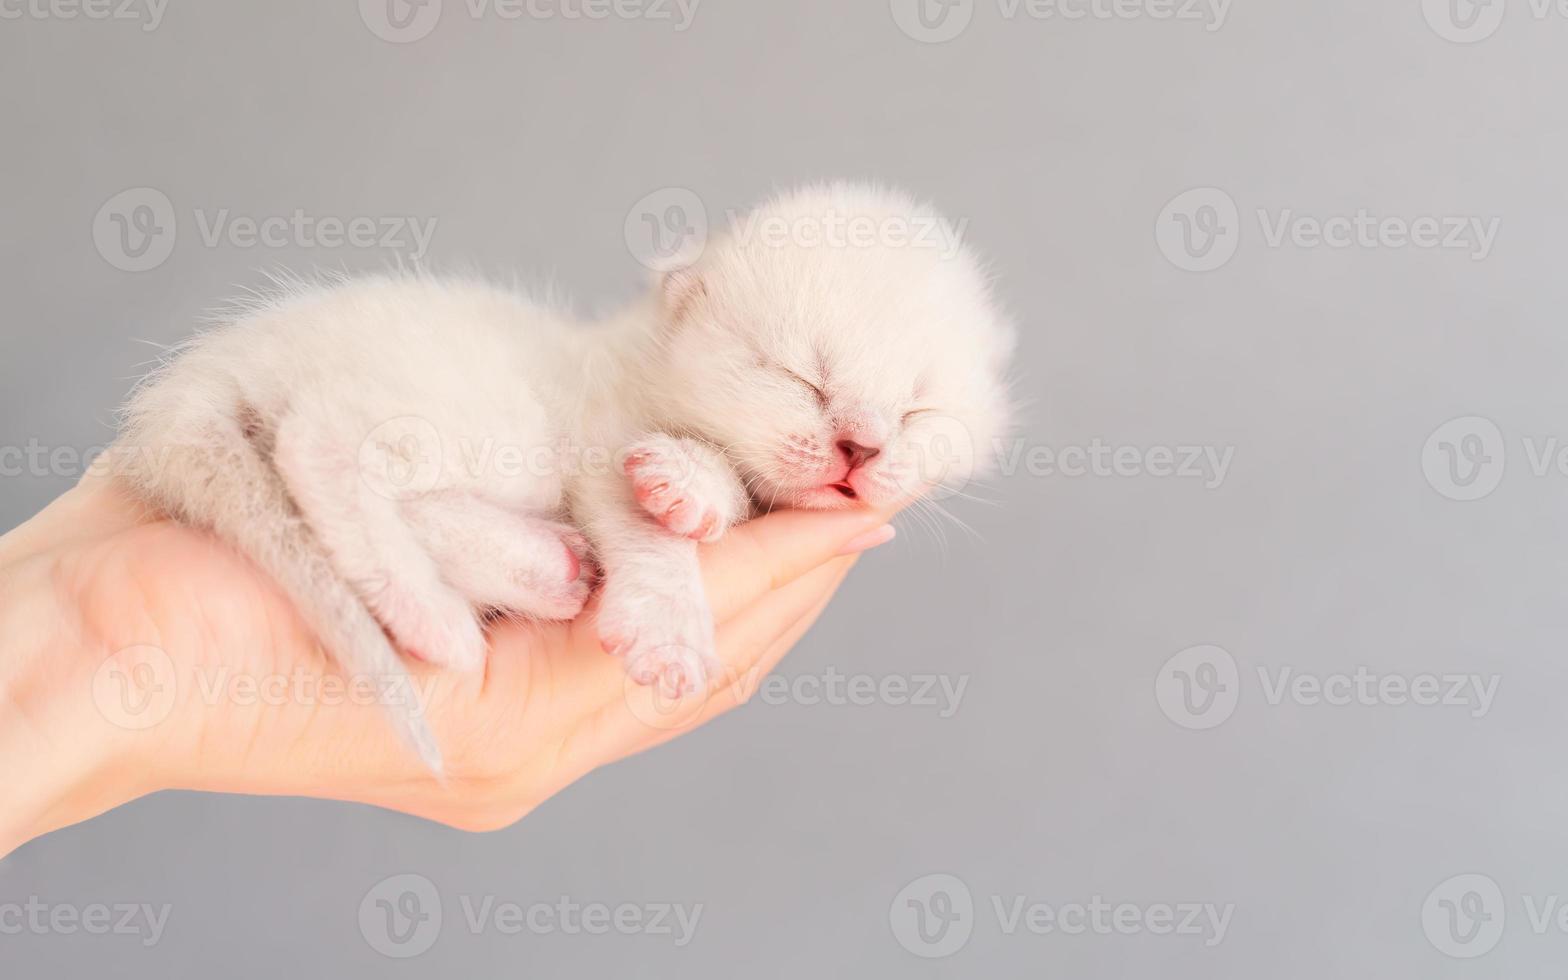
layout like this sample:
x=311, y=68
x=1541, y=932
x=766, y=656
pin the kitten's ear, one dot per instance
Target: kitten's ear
x=680, y=290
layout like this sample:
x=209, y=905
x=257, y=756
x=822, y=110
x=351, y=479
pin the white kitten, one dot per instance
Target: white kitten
x=401, y=453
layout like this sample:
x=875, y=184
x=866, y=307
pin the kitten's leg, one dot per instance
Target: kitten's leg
x=653, y=612
x=502, y=559
x=688, y=486
x=375, y=550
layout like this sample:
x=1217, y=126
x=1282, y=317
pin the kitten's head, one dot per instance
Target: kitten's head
x=841, y=345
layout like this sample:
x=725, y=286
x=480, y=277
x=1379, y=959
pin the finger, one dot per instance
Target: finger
x=754, y=561
x=769, y=553
x=745, y=642
x=639, y=717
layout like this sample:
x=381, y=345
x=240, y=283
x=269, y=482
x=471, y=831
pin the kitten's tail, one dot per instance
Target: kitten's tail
x=220, y=481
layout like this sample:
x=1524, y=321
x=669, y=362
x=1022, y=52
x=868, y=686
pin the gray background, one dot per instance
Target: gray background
x=1062, y=775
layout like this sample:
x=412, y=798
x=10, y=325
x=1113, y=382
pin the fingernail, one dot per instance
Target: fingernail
x=867, y=541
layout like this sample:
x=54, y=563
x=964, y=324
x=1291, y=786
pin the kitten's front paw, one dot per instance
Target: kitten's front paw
x=666, y=641
x=686, y=486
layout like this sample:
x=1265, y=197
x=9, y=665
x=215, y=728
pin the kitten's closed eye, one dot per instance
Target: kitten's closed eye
x=816, y=390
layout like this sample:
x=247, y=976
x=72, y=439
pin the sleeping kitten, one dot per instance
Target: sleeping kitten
x=402, y=454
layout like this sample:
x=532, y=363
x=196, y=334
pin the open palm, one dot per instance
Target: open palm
x=198, y=672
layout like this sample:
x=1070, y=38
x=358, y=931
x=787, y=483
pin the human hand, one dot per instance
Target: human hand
x=142, y=655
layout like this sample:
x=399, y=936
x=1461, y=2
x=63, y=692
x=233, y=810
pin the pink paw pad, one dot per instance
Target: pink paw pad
x=671, y=506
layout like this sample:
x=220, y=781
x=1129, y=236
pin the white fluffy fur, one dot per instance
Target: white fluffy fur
x=730, y=388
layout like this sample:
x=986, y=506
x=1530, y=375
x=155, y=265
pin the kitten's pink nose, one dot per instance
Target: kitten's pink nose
x=855, y=454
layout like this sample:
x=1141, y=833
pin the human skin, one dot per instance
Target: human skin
x=237, y=696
